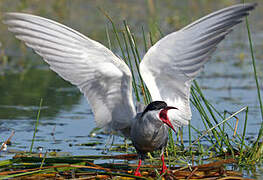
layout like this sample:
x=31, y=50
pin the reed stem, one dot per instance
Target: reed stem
x=36, y=125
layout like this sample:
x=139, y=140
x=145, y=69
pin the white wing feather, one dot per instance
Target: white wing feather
x=172, y=63
x=103, y=78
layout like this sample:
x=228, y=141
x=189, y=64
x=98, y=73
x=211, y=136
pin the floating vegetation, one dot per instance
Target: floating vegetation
x=83, y=167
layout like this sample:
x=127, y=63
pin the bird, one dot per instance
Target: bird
x=167, y=69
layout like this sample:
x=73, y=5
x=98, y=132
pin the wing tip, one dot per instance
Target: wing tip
x=11, y=14
x=243, y=5
x=7, y=16
x=253, y=4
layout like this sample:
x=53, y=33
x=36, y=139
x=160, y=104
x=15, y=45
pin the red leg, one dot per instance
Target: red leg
x=137, y=172
x=164, y=168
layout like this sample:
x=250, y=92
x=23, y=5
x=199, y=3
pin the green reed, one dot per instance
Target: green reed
x=36, y=125
x=255, y=153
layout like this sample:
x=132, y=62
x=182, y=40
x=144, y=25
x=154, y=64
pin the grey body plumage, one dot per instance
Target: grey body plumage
x=148, y=133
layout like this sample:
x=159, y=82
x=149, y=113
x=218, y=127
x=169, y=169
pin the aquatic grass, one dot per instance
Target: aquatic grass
x=144, y=41
x=108, y=37
x=130, y=45
x=36, y=125
x=190, y=138
x=145, y=44
x=24, y=174
x=243, y=137
x=226, y=123
x=202, y=109
x=129, y=63
x=256, y=145
x=137, y=60
x=43, y=160
x=134, y=85
x=218, y=135
x=236, y=141
x=217, y=125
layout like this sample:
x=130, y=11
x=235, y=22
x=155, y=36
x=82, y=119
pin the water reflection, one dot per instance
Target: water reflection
x=21, y=94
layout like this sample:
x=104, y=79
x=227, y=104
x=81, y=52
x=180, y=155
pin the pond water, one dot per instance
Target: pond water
x=66, y=119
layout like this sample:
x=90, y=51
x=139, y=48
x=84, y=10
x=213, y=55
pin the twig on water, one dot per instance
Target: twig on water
x=193, y=172
x=237, y=120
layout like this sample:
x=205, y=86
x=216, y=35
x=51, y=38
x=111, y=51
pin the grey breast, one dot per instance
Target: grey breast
x=148, y=133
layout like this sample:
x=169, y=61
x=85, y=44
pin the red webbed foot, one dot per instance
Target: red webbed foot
x=164, y=169
x=137, y=173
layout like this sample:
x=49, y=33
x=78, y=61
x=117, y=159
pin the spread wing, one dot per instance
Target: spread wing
x=104, y=79
x=169, y=67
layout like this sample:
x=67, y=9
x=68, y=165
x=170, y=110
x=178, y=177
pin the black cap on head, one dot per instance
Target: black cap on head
x=155, y=105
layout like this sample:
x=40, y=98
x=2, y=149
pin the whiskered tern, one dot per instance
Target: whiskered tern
x=167, y=69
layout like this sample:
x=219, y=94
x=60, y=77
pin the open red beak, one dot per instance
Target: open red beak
x=164, y=117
